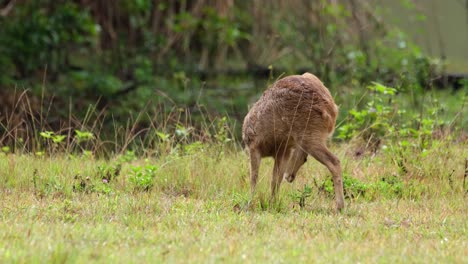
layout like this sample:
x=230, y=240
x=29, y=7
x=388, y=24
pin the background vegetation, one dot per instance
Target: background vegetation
x=109, y=62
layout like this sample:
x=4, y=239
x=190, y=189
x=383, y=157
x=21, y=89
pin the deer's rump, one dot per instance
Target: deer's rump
x=291, y=107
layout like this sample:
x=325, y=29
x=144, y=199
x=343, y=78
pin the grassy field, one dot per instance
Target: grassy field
x=193, y=208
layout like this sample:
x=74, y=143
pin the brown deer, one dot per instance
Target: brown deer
x=292, y=119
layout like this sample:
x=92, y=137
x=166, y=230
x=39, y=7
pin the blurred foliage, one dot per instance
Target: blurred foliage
x=38, y=37
x=132, y=56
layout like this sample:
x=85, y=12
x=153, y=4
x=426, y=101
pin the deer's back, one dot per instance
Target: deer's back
x=297, y=106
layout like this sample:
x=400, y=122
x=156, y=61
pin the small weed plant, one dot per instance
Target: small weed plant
x=142, y=176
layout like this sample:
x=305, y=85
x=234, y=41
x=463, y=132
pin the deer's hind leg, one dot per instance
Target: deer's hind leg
x=320, y=152
x=277, y=177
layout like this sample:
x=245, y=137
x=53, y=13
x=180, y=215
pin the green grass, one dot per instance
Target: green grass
x=196, y=210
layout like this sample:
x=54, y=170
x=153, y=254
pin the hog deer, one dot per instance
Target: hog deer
x=291, y=120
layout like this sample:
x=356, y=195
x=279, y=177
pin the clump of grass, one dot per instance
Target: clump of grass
x=163, y=132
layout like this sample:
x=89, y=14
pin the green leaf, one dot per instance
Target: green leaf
x=58, y=139
x=46, y=134
x=6, y=149
x=163, y=136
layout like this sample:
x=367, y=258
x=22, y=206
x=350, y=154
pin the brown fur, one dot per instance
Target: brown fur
x=292, y=119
